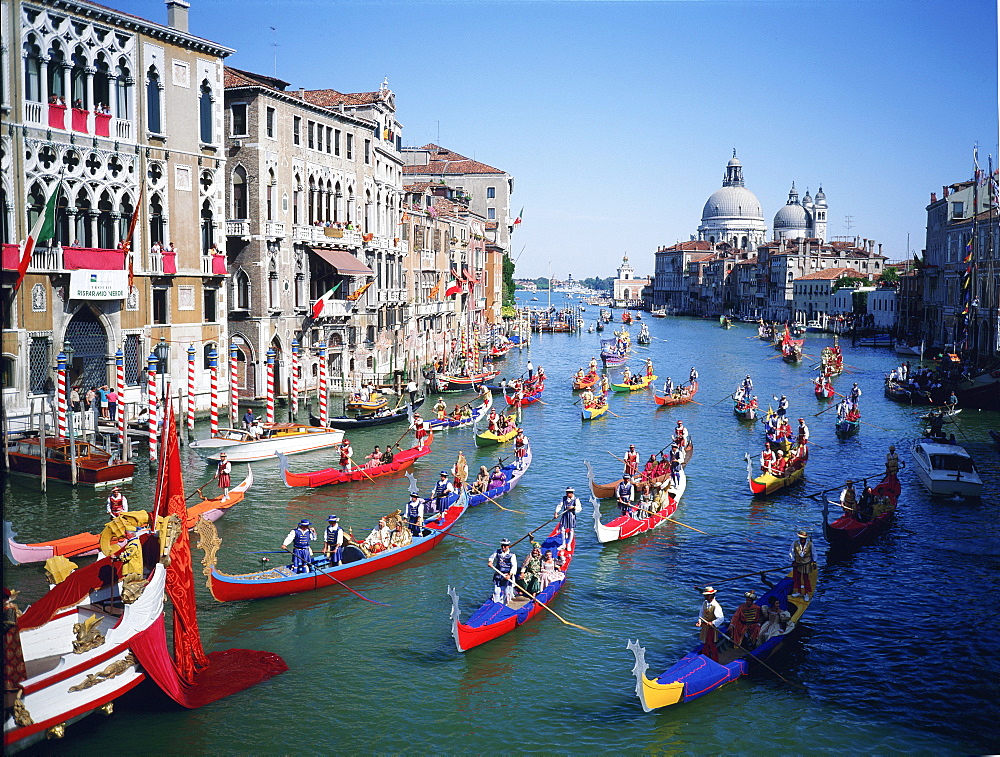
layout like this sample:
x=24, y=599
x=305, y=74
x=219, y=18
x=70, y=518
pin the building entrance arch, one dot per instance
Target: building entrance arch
x=89, y=340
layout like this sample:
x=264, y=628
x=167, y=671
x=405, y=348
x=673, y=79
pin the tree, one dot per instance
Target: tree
x=542, y=283
x=508, y=281
x=890, y=276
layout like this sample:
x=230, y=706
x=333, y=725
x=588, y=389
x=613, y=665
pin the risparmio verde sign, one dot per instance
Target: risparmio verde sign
x=98, y=285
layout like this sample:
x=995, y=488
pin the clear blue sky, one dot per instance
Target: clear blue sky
x=616, y=119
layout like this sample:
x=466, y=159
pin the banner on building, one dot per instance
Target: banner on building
x=98, y=285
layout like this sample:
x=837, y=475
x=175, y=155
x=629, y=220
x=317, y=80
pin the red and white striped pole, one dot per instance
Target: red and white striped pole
x=120, y=391
x=213, y=366
x=61, y=425
x=190, y=389
x=324, y=415
x=295, y=377
x=270, y=384
x=153, y=362
x=234, y=386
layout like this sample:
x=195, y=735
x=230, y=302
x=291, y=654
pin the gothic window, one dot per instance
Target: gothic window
x=102, y=82
x=205, y=111
x=62, y=220
x=240, y=193
x=242, y=286
x=125, y=210
x=153, y=116
x=270, y=189
x=32, y=70
x=273, y=296
x=78, y=80
x=56, y=81
x=207, y=226
x=123, y=90
x=311, y=200
x=156, y=223
x=105, y=223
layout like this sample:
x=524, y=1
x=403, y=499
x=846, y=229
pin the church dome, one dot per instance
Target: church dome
x=732, y=202
x=791, y=216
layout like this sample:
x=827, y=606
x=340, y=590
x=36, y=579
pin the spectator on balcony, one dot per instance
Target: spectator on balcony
x=76, y=243
x=170, y=248
x=78, y=104
x=53, y=100
x=156, y=249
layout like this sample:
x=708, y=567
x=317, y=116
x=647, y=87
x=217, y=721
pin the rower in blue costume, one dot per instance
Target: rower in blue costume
x=504, y=565
x=300, y=537
x=334, y=538
x=625, y=493
x=415, y=514
x=442, y=489
x=566, y=511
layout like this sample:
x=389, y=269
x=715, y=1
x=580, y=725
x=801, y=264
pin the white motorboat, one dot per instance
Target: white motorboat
x=946, y=469
x=287, y=438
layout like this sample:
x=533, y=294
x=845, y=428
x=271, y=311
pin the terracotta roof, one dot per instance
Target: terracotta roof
x=691, y=245
x=444, y=161
x=331, y=98
x=420, y=186
x=234, y=77
x=830, y=274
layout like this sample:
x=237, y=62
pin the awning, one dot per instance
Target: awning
x=345, y=263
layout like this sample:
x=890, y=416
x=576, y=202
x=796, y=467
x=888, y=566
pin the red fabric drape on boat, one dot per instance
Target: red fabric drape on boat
x=77, y=585
x=227, y=671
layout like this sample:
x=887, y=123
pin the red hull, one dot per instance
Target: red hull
x=670, y=401
x=333, y=476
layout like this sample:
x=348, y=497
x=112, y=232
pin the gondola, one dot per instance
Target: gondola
x=512, y=476
x=368, y=419
x=848, y=530
x=494, y=619
x=490, y=439
x=767, y=483
x=680, y=396
x=644, y=382
x=373, y=404
x=744, y=411
x=824, y=391
x=586, y=382
x=695, y=674
x=607, y=491
x=530, y=398
x=848, y=427
x=443, y=424
x=625, y=526
x=357, y=560
x=451, y=383
x=594, y=411
x=85, y=544
x=332, y=476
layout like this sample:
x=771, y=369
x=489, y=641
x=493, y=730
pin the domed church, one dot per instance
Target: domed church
x=732, y=214
x=805, y=220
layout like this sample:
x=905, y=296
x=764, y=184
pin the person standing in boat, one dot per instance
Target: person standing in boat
x=346, y=455
x=709, y=619
x=415, y=514
x=442, y=490
x=649, y=367
x=747, y=385
x=441, y=409
x=299, y=538
x=531, y=370
x=333, y=540
x=855, y=394
x=520, y=448
x=746, y=620
x=803, y=433
x=624, y=494
x=668, y=387
x=693, y=376
x=14, y=670
x=503, y=564
x=891, y=461
x=593, y=365
x=803, y=560
x=681, y=436
x=849, y=499
x=411, y=388
x=631, y=461
x=117, y=503
x=224, y=474
x=566, y=512
x=782, y=406
x=248, y=419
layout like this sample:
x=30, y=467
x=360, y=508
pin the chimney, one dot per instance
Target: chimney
x=944, y=192
x=933, y=197
x=302, y=93
x=177, y=14
x=879, y=248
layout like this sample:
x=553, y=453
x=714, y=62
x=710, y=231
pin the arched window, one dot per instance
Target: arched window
x=328, y=201
x=123, y=90
x=153, y=117
x=125, y=210
x=270, y=189
x=156, y=223
x=105, y=223
x=56, y=80
x=297, y=201
x=744, y=244
x=102, y=82
x=81, y=234
x=311, y=200
x=78, y=80
x=62, y=220
x=207, y=226
x=241, y=283
x=205, y=111
x=239, y=193
x=32, y=70
x=206, y=354
x=273, y=296
x=338, y=203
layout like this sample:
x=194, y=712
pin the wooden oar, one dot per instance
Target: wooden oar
x=829, y=407
x=727, y=397
x=466, y=538
x=757, y=659
x=614, y=414
x=747, y=575
x=358, y=467
x=618, y=458
x=872, y=425
x=338, y=581
x=540, y=603
x=501, y=506
x=531, y=533
x=198, y=491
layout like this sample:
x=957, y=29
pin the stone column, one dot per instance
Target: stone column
x=43, y=83
x=89, y=72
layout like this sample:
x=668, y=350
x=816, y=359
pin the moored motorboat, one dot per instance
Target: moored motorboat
x=946, y=469
x=332, y=476
x=94, y=466
x=494, y=619
x=85, y=544
x=633, y=524
x=380, y=418
x=289, y=438
x=697, y=674
x=358, y=559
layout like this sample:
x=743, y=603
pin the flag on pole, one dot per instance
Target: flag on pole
x=42, y=231
x=126, y=244
x=317, y=308
x=520, y=217
x=456, y=287
x=436, y=289
x=355, y=296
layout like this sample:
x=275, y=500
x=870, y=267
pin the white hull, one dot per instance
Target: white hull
x=248, y=452
x=48, y=654
x=939, y=475
x=606, y=534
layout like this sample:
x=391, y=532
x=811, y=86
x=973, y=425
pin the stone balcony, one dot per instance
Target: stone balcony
x=274, y=229
x=238, y=229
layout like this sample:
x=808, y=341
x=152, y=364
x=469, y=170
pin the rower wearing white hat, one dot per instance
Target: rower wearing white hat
x=709, y=619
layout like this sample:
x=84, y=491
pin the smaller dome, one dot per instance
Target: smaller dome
x=820, y=197
x=792, y=216
x=734, y=161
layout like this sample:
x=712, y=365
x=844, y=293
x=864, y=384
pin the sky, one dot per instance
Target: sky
x=616, y=119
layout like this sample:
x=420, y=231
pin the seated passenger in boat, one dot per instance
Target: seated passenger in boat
x=456, y=414
x=798, y=458
x=776, y=622
x=375, y=458
x=645, y=504
x=781, y=464
x=551, y=570
x=579, y=375
x=649, y=471
x=626, y=376
x=466, y=412
x=529, y=579
x=482, y=482
x=497, y=478
x=387, y=455
x=882, y=504
x=746, y=621
x=663, y=466
x=866, y=505
x=379, y=538
x=400, y=536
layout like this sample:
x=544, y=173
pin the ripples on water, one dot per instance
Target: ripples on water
x=885, y=664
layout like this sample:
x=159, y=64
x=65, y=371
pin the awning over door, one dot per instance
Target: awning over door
x=345, y=263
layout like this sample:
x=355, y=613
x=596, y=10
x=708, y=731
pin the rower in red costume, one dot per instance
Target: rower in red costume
x=746, y=620
x=631, y=461
x=767, y=459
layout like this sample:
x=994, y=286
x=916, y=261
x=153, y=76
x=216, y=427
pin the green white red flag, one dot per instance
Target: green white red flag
x=42, y=231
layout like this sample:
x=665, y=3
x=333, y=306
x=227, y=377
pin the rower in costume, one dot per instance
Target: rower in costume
x=334, y=539
x=503, y=563
x=803, y=560
x=624, y=494
x=849, y=499
x=223, y=473
x=520, y=448
x=892, y=460
x=566, y=511
x=299, y=538
x=693, y=376
x=441, y=409
x=709, y=619
x=440, y=494
x=631, y=461
x=117, y=503
x=415, y=514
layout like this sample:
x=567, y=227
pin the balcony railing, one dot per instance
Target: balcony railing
x=237, y=228
x=274, y=229
x=336, y=309
x=32, y=113
x=214, y=265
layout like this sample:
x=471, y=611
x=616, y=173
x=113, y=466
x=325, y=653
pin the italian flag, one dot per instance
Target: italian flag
x=43, y=230
x=519, y=218
x=317, y=308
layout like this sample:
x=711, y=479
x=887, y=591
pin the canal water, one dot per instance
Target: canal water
x=897, y=651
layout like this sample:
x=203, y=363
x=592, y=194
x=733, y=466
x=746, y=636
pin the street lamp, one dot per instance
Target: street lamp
x=162, y=351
